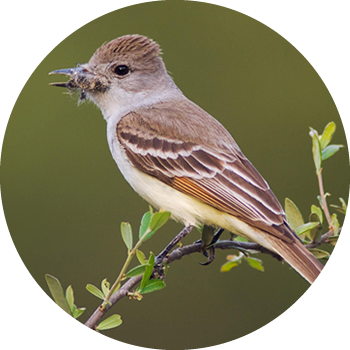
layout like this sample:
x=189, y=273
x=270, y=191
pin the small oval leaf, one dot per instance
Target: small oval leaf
x=126, y=232
x=136, y=271
x=306, y=227
x=330, y=150
x=145, y=221
x=293, y=214
x=343, y=203
x=148, y=273
x=229, y=266
x=233, y=261
x=141, y=257
x=70, y=297
x=95, y=291
x=335, y=224
x=110, y=322
x=158, y=220
x=316, y=150
x=57, y=293
x=318, y=212
x=152, y=286
x=255, y=263
x=319, y=253
x=78, y=312
x=327, y=135
x=105, y=287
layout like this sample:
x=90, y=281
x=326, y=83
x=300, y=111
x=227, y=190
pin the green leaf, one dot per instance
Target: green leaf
x=318, y=212
x=294, y=217
x=158, y=220
x=70, y=297
x=82, y=336
x=255, y=263
x=241, y=239
x=330, y=150
x=141, y=257
x=95, y=291
x=152, y=286
x=335, y=224
x=149, y=235
x=343, y=207
x=338, y=260
x=145, y=221
x=343, y=203
x=148, y=273
x=136, y=271
x=229, y=266
x=99, y=335
x=315, y=233
x=319, y=253
x=110, y=322
x=78, y=312
x=126, y=231
x=105, y=285
x=338, y=208
x=340, y=240
x=306, y=227
x=316, y=150
x=327, y=135
x=233, y=261
x=57, y=293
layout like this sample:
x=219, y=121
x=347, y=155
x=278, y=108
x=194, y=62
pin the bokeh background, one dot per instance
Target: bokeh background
x=64, y=197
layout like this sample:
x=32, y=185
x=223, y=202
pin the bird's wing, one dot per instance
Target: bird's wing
x=221, y=177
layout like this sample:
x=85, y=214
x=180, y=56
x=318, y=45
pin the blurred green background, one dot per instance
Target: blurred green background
x=64, y=197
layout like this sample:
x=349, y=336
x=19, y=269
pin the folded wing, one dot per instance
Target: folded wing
x=220, y=177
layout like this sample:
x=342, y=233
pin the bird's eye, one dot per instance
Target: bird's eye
x=121, y=70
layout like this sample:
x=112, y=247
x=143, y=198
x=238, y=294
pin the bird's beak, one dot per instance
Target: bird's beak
x=71, y=72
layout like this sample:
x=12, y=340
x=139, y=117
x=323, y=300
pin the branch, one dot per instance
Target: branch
x=323, y=239
x=177, y=254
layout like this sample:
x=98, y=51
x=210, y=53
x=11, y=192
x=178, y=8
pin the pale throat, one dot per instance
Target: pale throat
x=117, y=102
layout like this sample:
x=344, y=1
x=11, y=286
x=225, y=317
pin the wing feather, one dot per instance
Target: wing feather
x=219, y=176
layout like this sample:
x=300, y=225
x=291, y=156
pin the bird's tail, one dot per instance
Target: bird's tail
x=297, y=256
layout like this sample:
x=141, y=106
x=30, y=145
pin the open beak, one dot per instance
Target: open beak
x=71, y=72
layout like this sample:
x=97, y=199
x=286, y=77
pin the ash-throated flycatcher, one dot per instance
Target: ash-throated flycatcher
x=178, y=157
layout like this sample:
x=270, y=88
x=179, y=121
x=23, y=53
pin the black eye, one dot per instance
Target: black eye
x=121, y=70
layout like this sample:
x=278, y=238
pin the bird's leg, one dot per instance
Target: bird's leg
x=214, y=238
x=217, y=235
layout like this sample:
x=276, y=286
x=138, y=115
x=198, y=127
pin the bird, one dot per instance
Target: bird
x=177, y=156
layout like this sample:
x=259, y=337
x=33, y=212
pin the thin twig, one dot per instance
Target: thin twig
x=324, y=201
x=323, y=239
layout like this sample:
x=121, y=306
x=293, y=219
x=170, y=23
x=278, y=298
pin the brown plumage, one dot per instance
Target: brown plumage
x=211, y=169
x=132, y=49
x=213, y=163
x=176, y=155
